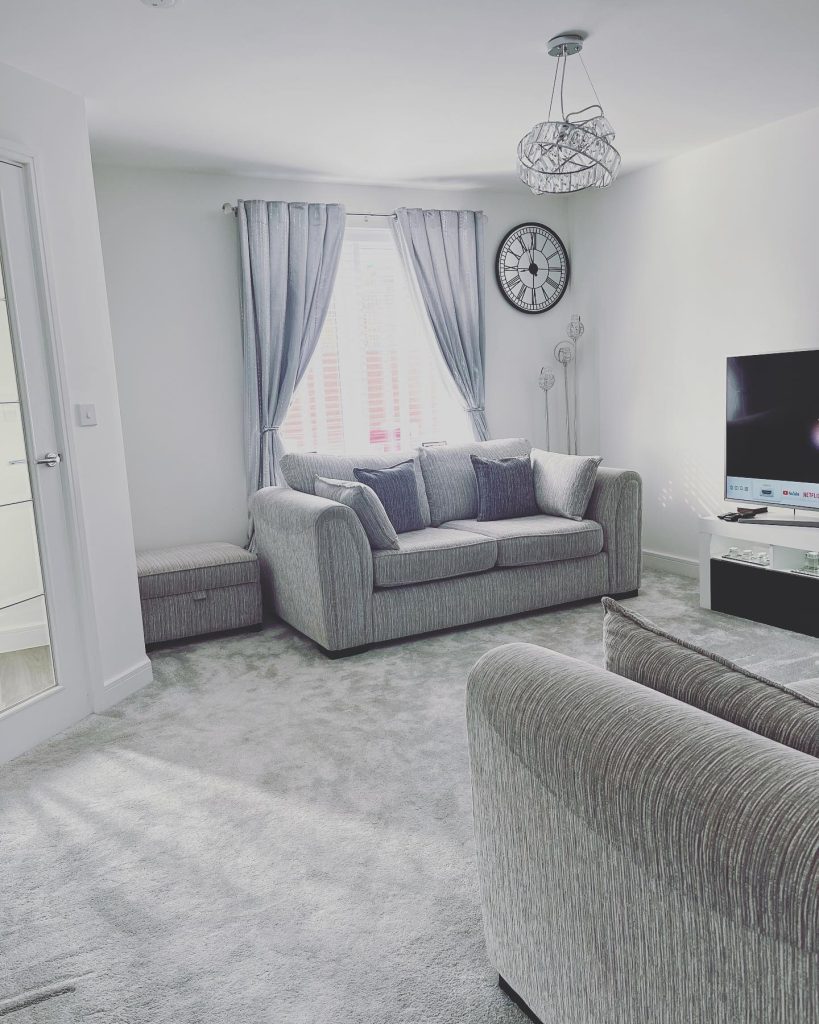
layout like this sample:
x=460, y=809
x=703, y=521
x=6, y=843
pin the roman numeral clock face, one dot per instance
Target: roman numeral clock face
x=532, y=268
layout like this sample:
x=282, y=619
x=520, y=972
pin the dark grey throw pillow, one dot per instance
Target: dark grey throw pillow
x=506, y=488
x=398, y=492
x=637, y=649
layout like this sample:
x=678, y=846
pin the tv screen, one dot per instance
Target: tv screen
x=772, y=431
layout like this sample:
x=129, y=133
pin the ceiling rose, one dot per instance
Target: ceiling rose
x=575, y=152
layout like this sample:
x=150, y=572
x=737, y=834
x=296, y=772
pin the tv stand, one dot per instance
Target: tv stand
x=776, y=591
x=759, y=521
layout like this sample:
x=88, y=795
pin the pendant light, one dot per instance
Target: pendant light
x=575, y=152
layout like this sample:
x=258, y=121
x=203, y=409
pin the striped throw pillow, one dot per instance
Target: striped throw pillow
x=364, y=502
x=505, y=488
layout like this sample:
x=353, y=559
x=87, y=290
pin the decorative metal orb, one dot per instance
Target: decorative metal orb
x=564, y=352
x=556, y=157
x=547, y=379
x=575, y=328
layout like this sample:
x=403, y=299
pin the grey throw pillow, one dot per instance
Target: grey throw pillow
x=397, y=490
x=639, y=650
x=505, y=488
x=364, y=502
x=564, y=483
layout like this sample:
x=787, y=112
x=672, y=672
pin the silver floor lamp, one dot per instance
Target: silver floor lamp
x=546, y=382
x=565, y=354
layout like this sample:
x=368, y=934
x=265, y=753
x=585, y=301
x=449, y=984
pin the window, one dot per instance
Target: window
x=376, y=380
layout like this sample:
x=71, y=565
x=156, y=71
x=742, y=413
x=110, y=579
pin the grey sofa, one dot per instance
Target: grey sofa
x=320, y=575
x=640, y=860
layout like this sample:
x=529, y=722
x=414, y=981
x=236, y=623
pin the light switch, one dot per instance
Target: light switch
x=87, y=415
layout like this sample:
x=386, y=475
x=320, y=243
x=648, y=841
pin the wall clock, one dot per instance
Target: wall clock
x=532, y=268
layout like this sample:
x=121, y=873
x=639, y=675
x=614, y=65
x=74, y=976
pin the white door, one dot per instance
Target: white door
x=43, y=676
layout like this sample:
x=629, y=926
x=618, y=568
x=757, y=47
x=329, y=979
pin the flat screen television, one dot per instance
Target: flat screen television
x=772, y=429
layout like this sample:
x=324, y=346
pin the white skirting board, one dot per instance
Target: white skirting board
x=671, y=563
x=124, y=685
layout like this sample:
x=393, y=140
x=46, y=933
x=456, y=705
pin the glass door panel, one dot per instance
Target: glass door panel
x=14, y=482
x=8, y=378
x=20, y=577
x=26, y=666
x=44, y=667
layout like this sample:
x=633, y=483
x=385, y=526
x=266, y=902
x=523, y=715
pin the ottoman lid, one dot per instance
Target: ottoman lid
x=191, y=567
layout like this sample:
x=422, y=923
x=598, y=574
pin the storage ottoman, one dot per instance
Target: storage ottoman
x=198, y=588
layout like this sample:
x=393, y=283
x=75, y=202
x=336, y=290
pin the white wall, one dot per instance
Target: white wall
x=172, y=270
x=678, y=266
x=45, y=120
x=673, y=268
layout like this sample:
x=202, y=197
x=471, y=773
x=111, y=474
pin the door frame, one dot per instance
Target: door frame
x=59, y=399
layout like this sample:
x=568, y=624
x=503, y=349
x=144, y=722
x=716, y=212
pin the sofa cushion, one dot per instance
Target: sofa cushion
x=450, y=480
x=366, y=504
x=535, y=539
x=563, y=483
x=639, y=650
x=808, y=688
x=432, y=554
x=397, y=491
x=505, y=488
x=300, y=470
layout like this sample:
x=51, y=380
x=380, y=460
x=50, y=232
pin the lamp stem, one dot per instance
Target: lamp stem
x=574, y=406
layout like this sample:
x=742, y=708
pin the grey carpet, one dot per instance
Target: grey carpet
x=267, y=836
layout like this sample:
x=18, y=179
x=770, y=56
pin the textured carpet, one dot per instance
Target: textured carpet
x=264, y=835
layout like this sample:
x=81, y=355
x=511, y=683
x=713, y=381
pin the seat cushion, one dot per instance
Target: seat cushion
x=808, y=688
x=536, y=539
x=450, y=479
x=300, y=470
x=432, y=554
x=639, y=650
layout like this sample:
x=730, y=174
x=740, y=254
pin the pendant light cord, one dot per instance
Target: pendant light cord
x=591, y=83
x=560, y=71
x=554, y=84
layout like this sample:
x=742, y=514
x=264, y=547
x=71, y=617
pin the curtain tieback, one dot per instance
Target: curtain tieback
x=475, y=408
x=269, y=430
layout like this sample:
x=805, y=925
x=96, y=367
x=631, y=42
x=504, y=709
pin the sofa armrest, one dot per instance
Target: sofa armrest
x=316, y=565
x=617, y=504
x=625, y=840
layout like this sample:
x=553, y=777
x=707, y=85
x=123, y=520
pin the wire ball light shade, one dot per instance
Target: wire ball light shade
x=575, y=152
x=567, y=156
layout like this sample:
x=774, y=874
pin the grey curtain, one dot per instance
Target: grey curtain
x=289, y=254
x=443, y=251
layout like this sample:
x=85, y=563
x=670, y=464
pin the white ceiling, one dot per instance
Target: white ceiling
x=422, y=92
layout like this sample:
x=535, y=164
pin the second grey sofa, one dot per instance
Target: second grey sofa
x=641, y=861
x=321, y=576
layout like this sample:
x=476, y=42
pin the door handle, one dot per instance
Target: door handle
x=51, y=459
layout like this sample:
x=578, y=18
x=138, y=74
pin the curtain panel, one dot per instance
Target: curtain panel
x=289, y=258
x=443, y=251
